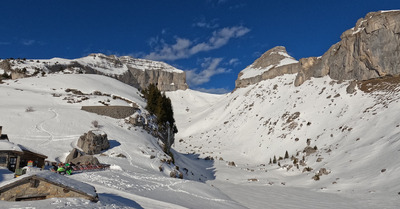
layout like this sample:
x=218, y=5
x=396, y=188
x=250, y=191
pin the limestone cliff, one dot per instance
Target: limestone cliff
x=369, y=50
x=275, y=62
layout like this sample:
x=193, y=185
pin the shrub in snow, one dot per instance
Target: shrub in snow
x=232, y=163
x=295, y=161
x=95, y=123
x=29, y=109
x=307, y=169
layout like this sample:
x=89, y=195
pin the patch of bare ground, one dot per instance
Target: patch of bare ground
x=385, y=90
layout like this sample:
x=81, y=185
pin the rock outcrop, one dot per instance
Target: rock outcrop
x=75, y=153
x=93, y=142
x=275, y=62
x=86, y=159
x=369, y=50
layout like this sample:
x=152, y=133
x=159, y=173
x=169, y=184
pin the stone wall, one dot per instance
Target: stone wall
x=118, y=112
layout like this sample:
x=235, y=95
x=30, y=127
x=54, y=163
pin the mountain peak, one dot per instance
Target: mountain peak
x=272, y=63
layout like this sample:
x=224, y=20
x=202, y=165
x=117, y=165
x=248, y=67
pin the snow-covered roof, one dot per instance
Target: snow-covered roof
x=6, y=145
x=57, y=179
x=24, y=148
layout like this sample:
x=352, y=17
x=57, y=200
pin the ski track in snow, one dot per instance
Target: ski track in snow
x=39, y=126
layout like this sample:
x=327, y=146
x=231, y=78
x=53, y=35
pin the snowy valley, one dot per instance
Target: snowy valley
x=289, y=135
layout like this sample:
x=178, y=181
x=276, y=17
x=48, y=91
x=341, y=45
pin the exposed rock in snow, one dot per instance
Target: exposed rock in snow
x=275, y=62
x=93, y=142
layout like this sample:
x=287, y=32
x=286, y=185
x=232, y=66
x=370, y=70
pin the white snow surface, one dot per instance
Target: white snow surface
x=356, y=135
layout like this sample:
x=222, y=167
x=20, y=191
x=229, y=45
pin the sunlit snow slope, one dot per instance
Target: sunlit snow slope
x=353, y=142
x=39, y=113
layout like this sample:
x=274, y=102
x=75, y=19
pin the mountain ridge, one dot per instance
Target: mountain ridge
x=368, y=50
x=135, y=72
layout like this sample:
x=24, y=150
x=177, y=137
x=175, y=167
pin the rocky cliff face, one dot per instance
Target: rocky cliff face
x=135, y=72
x=369, y=50
x=275, y=62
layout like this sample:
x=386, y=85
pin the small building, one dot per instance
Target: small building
x=45, y=185
x=15, y=156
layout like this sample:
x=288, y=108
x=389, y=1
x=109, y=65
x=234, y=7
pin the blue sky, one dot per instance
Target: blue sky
x=212, y=40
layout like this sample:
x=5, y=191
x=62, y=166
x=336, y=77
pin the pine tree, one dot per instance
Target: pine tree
x=274, y=161
x=270, y=161
x=286, y=155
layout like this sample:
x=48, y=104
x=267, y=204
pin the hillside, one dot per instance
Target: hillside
x=37, y=112
x=356, y=136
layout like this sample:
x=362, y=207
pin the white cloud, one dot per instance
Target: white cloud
x=28, y=42
x=184, y=48
x=202, y=23
x=211, y=68
x=234, y=62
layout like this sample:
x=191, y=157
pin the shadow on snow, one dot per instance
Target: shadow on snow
x=195, y=168
x=118, y=200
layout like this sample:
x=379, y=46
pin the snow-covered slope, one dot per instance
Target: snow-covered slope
x=353, y=142
x=224, y=143
x=39, y=113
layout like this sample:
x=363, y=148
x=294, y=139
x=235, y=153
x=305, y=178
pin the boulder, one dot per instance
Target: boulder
x=75, y=153
x=86, y=159
x=93, y=142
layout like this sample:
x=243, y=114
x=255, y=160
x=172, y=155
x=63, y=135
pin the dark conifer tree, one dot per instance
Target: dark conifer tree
x=286, y=155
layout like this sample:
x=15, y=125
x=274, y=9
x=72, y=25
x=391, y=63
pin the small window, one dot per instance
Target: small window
x=3, y=160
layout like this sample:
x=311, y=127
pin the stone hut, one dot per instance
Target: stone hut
x=45, y=185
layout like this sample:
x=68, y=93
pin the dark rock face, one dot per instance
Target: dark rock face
x=369, y=50
x=93, y=142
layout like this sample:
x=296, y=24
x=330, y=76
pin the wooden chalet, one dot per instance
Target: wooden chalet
x=15, y=156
